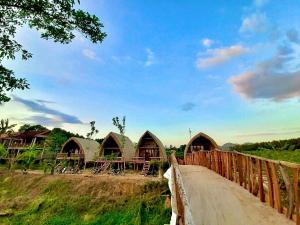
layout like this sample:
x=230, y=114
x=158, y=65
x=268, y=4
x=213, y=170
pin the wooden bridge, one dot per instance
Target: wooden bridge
x=219, y=188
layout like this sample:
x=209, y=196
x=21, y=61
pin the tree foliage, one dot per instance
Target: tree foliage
x=280, y=145
x=58, y=20
x=178, y=151
x=3, y=152
x=93, y=130
x=29, y=127
x=121, y=127
x=28, y=157
x=5, y=127
x=57, y=138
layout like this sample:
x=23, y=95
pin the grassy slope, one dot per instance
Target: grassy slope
x=289, y=156
x=39, y=199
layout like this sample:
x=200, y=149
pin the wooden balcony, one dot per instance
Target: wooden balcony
x=73, y=156
x=24, y=146
x=156, y=158
x=112, y=160
x=138, y=159
x=143, y=159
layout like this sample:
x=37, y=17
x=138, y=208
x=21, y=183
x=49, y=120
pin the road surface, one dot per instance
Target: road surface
x=214, y=200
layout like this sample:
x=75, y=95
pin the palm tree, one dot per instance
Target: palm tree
x=5, y=127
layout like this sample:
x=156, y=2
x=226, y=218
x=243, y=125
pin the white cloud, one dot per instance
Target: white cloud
x=206, y=42
x=89, y=54
x=254, y=23
x=260, y=3
x=274, y=79
x=220, y=55
x=150, y=57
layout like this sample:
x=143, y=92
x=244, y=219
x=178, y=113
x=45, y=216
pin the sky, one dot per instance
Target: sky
x=230, y=69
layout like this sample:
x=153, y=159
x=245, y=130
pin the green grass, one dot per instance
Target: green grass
x=284, y=155
x=38, y=200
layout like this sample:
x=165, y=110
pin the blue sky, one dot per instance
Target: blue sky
x=227, y=68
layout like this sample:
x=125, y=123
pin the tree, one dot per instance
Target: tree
x=3, y=152
x=121, y=127
x=93, y=130
x=29, y=127
x=5, y=127
x=55, y=19
x=28, y=157
x=57, y=138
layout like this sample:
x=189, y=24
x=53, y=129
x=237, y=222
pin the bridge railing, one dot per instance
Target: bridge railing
x=179, y=196
x=274, y=182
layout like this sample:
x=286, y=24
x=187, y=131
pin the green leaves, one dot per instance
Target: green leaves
x=93, y=130
x=55, y=19
x=5, y=127
x=8, y=82
x=28, y=157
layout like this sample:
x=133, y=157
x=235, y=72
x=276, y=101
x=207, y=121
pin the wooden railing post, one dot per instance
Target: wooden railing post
x=290, y=190
x=296, y=193
x=260, y=182
x=277, y=196
x=270, y=184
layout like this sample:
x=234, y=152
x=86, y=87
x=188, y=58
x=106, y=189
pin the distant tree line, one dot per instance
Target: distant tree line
x=179, y=151
x=281, y=145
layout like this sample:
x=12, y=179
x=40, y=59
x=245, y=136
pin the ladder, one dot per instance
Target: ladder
x=146, y=167
x=105, y=166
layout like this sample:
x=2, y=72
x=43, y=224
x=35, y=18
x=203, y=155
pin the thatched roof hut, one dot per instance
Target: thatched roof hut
x=86, y=149
x=113, y=145
x=150, y=146
x=200, y=141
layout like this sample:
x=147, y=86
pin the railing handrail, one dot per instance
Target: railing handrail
x=112, y=159
x=278, y=162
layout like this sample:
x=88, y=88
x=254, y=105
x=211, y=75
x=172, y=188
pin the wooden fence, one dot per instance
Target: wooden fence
x=275, y=182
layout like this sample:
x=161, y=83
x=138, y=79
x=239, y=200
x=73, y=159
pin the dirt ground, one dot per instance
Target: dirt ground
x=216, y=200
x=130, y=176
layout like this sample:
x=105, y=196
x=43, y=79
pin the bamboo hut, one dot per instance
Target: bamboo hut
x=150, y=147
x=200, y=142
x=79, y=149
x=116, y=148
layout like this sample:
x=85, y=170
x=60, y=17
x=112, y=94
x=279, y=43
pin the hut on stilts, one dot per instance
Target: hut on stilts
x=115, y=150
x=79, y=151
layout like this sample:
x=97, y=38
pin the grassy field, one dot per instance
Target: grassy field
x=75, y=199
x=286, y=155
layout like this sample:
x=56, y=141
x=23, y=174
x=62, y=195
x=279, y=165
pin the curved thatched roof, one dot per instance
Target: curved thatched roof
x=127, y=150
x=89, y=147
x=162, y=150
x=200, y=134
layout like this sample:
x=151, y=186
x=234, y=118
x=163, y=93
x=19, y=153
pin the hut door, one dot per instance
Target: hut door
x=147, y=156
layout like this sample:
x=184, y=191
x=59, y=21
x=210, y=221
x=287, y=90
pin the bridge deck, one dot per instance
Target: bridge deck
x=214, y=200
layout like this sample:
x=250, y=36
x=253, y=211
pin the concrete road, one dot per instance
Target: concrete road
x=214, y=200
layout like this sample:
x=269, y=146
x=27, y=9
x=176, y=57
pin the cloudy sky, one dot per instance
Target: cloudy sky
x=227, y=68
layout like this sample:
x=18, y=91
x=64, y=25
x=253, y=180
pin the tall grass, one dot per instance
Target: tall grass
x=40, y=201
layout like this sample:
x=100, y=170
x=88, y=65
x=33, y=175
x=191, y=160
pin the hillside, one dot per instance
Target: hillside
x=76, y=199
